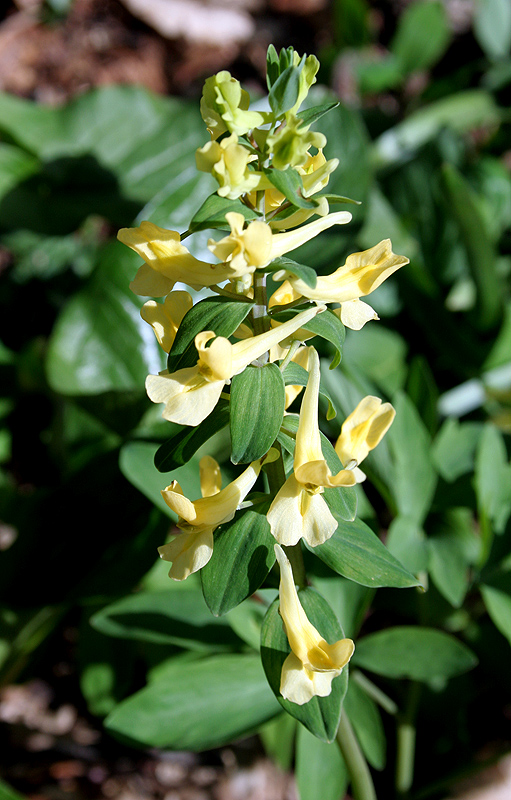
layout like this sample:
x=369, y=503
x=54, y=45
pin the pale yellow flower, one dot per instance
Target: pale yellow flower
x=361, y=274
x=313, y=663
x=289, y=145
x=192, y=549
x=301, y=357
x=299, y=509
x=362, y=431
x=228, y=162
x=167, y=262
x=190, y=394
x=245, y=248
x=165, y=318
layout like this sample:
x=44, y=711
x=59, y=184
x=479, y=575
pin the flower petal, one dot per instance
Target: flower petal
x=188, y=552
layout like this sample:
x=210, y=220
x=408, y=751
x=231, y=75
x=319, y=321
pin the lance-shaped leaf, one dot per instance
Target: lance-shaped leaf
x=310, y=115
x=321, y=714
x=307, y=274
x=186, y=441
x=290, y=184
x=258, y=398
x=212, y=314
x=212, y=213
x=243, y=555
x=355, y=552
x=420, y=654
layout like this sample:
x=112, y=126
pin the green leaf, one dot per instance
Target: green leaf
x=492, y=27
x=407, y=542
x=278, y=738
x=212, y=213
x=310, y=115
x=414, y=480
x=258, y=397
x=99, y=342
x=481, y=255
x=211, y=314
x=246, y=619
x=8, y=793
x=493, y=478
x=454, y=448
x=379, y=354
x=339, y=198
x=15, y=166
x=327, y=325
x=355, y=552
x=319, y=767
x=289, y=182
x=306, y=274
x=365, y=717
x=453, y=546
x=243, y=555
x=284, y=92
x=186, y=441
x=496, y=594
x=420, y=654
x=203, y=705
x=321, y=714
x=178, y=617
x=422, y=36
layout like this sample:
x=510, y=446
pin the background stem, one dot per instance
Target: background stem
x=360, y=776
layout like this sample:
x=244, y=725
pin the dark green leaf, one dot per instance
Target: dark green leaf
x=327, y=325
x=178, y=617
x=212, y=213
x=454, y=448
x=365, y=717
x=212, y=314
x=338, y=198
x=319, y=764
x=258, y=398
x=186, y=441
x=289, y=182
x=295, y=375
x=206, y=704
x=356, y=552
x=284, y=92
x=306, y=274
x=242, y=557
x=493, y=478
x=310, y=115
x=421, y=654
x=321, y=714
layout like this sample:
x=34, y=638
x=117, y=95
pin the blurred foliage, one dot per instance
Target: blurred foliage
x=425, y=147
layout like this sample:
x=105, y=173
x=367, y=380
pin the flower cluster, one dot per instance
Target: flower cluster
x=271, y=174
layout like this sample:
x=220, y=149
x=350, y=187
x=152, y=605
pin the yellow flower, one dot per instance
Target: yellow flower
x=313, y=663
x=362, y=431
x=361, y=274
x=228, y=163
x=224, y=106
x=167, y=261
x=299, y=510
x=192, y=549
x=290, y=143
x=165, y=318
x=191, y=394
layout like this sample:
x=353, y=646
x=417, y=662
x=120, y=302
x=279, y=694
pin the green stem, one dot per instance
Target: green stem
x=360, y=776
x=406, y=733
x=259, y=311
x=374, y=691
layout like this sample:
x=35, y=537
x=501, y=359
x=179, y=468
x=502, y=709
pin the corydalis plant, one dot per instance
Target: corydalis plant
x=236, y=358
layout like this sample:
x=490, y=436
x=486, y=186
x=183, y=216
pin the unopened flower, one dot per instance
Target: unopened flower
x=362, y=431
x=361, y=274
x=192, y=549
x=313, y=663
x=165, y=318
x=290, y=144
x=190, y=394
x=167, y=262
x=224, y=106
x=299, y=509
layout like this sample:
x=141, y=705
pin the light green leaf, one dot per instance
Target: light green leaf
x=216, y=314
x=180, y=618
x=420, y=654
x=493, y=478
x=497, y=599
x=199, y=706
x=454, y=448
x=327, y=325
x=319, y=768
x=311, y=115
x=321, y=714
x=284, y=92
x=492, y=27
x=414, y=480
x=453, y=546
x=99, y=342
x=365, y=717
x=242, y=557
x=355, y=552
x=278, y=737
x=422, y=36
x=15, y=166
x=258, y=397
x=290, y=184
x=295, y=375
